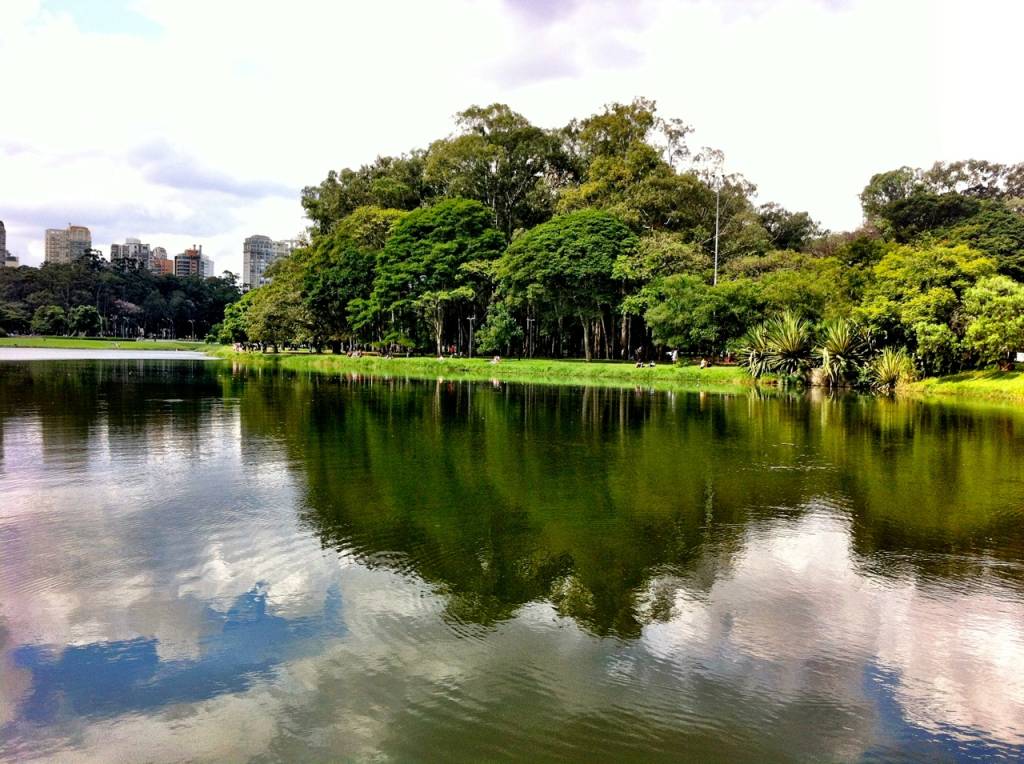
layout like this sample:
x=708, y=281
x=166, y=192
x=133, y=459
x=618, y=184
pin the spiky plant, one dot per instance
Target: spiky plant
x=756, y=352
x=840, y=352
x=890, y=368
x=790, y=338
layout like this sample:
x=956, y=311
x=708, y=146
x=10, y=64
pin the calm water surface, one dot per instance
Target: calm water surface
x=200, y=562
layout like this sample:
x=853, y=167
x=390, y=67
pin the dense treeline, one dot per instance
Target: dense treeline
x=598, y=240
x=91, y=298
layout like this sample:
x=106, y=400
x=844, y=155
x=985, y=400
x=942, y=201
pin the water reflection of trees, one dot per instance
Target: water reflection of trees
x=500, y=495
x=75, y=404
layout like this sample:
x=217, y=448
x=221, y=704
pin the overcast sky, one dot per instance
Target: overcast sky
x=195, y=121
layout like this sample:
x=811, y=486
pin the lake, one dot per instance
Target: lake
x=211, y=562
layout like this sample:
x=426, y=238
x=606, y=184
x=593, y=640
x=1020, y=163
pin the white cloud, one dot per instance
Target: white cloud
x=248, y=102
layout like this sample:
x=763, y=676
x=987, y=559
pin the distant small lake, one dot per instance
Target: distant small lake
x=204, y=561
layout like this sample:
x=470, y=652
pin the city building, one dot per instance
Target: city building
x=7, y=260
x=160, y=263
x=192, y=262
x=132, y=255
x=65, y=245
x=258, y=252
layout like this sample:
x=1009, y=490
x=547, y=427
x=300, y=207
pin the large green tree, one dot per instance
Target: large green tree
x=562, y=271
x=436, y=251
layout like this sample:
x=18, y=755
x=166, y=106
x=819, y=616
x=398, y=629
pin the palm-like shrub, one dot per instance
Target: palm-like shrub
x=890, y=368
x=789, y=337
x=840, y=351
x=756, y=352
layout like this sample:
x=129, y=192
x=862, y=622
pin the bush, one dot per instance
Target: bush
x=890, y=369
x=49, y=319
x=789, y=337
x=840, y=352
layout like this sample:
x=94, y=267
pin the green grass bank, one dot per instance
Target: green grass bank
x=92, y=343
x=542, y=371
x=985, y=383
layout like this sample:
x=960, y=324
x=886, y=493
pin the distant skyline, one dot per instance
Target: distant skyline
x=181, y=122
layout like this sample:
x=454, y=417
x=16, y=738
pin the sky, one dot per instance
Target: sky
x=187, y=121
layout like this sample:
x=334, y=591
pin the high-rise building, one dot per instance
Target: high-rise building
x=132, y=255
x=3, y=239
x=10, y=261
x=192, y=262
x=160, y=263
x=65, y=245
x=258, y=252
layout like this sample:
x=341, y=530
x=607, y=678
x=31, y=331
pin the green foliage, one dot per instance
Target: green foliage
x=840, y=352
x=433, y=251
x=891, y=368
x=127, y=302
x=562, y=269
x=389, y=182
x=790, y=344
x=885, y=188
x=84, y=320
x=500, y=160
x=697, y=318
x=499, y=332
x=788, y=230
x=49, y=319
x=994, y=308
x=915, y=299
x=815, y=287
x=906, y=219
x=756, y=351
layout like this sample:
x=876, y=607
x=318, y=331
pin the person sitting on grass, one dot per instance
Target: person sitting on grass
x=496, y=359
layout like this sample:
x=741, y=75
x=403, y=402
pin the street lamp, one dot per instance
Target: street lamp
x=718, y=193
x=471, y=319
x=193, y=322
x=529, y=336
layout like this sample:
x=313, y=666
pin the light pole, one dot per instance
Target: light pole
x=193, y=322
x=718, y=194
x=471, y=319
x=529, y=336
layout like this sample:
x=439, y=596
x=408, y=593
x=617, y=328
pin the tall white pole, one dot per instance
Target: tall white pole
x=718, y=191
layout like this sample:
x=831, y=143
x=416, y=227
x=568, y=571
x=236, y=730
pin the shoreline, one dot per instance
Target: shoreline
x=99, y=343
x=984, y=384
x=537, y=371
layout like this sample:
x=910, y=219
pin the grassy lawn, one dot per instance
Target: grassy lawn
x=574, y=372
x=987, y=383
x=91, y=343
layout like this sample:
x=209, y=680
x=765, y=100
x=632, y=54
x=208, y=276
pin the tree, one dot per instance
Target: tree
x=994, y=308
x=431, y=251
x=49, y=320
x=915, y=299
x=884, y=188
x=388, y=182
x=499, y=332
x=788, y=230
x=338, y=273
x=501, y=160
x=563, y=268
x=906, y=219
x=697, y=318
x=234, y=326
x=84, y=320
